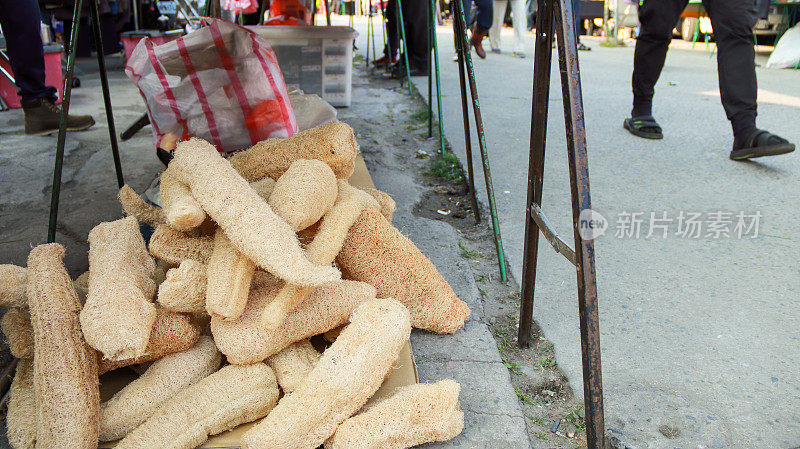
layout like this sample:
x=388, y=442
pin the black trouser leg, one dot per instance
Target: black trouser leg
x=392, y=34
x=657, y=18
x=20, y=21
x=415, y=17
x=733, y=22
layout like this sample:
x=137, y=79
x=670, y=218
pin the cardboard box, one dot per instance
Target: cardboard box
x=405, y=372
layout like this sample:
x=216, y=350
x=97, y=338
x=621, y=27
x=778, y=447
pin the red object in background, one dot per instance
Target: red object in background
x=288, y=12
x=241, y=6
x=52, y=76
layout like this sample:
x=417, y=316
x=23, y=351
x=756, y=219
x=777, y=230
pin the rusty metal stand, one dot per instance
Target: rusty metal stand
x=465, y=64
x=62, y=128
x=583, y=257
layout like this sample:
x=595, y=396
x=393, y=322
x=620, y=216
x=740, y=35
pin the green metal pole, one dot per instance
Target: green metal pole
x=438, y=80
x=405, y=48
x=476, y=109
x=62, y=125
x=101, y=64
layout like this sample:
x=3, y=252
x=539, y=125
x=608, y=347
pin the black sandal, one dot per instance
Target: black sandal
x=643, y=126
x=761, y=143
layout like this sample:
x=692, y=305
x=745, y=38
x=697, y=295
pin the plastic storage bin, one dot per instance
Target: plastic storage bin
x=131, y=38
x=319, y=60
x=52, y=75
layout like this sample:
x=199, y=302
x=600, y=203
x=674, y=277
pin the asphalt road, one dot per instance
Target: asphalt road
x=699, y=333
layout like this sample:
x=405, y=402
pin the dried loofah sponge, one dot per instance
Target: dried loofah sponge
x=247, y=219
x=119, y=313
x=413, y=415
x=64, y=367
x=377, y=253
x=244, y=341
x=334, y=143
x=172, y=332
x=229, y=274
x=16, y=325
x=184, y=289
x=21, y=414
x=81, y=284
x=386, y=203
x=263, y=187
x=166, y=377
x=304, y=193
x=174, y=247
x=13, y=280
x=346, y=376
x=293, y=364
x=322, y=250
x=181, y=211
x=233, y=395
x=134, y=205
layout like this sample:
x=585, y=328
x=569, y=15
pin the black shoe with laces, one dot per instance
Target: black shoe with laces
x=42, y=117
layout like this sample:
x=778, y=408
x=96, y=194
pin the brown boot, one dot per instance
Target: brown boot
x=478, y=33
x=42, y=117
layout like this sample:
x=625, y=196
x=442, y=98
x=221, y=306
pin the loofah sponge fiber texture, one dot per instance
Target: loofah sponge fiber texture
x=334, y=143
x=322, y=250
x=64, y=367
x=304, y=193
x=293, y=364
x=244, y=341
x=135, y=403
x=181, y=211
x=377, y=253
x=119, y=313
x=247, y=219
x=134, y=205
x=174, y=247
x=21, y=414
x=184, y=289
x=172, y=332
x=346, y=376
x=233, y=395
x=414, y=414
x=12, y=286
x=228, y=274
x=16, y=325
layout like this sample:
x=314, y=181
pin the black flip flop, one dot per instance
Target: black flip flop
x=761, y=143
x=638, y=126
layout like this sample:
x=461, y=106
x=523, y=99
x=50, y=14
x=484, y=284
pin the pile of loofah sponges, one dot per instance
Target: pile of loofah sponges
x=222, y=313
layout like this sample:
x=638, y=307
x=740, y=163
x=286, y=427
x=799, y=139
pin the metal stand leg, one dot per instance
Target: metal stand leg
x=583, y=256
x=404, y=47
x=476, y=110
x=439, y=111
x=62, y=128
x=465, y=115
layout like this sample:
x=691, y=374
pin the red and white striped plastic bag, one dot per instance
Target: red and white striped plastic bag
x=221, y=83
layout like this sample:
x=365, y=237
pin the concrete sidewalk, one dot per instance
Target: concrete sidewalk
x=700, y=335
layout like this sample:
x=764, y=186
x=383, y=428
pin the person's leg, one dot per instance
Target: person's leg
x=483, y=22
x=733, y=22
x=497, y=24
x=392, y=36
x=657, y=18
x=518, y=20
x=415, y=16
x=20, y=21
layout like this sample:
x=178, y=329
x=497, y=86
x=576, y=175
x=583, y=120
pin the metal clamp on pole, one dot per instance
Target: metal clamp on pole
x=560, y=12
